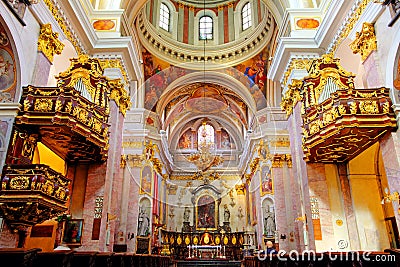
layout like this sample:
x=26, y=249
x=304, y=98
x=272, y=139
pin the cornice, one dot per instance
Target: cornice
x=191, y=56
x=122, y=48
x=290, y=48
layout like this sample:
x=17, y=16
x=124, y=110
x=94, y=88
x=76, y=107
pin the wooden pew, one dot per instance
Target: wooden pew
x=84, y=259
x=54, y=259
x=18, y=257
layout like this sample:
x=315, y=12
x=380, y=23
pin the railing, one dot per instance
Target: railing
x=31, y=194
x=35, y=179
x=67, y=108
x=65, y=101
x=364, y=115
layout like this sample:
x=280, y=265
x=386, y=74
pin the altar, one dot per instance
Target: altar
x=206, y=245
x=206, y=252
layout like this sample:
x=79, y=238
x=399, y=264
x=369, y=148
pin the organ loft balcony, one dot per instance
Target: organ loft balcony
x=338, y=120
x=68, y=125
x=31, y=194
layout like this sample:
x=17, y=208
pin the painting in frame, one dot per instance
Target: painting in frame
x=73, y=232
x=266, y=180
x=146, y=177
x=206, y=213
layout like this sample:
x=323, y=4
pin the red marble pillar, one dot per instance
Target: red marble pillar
x=281, y=216
x=372, y=76
x=300, y=184
x=186, y=25
x=104, y=179
x=42, y=70
x=348, y=207
x=226, y=25
x=133, y=206
x=319, y=188
x=390, y=147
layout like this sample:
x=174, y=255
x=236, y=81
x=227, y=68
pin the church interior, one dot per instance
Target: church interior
x=186, y=132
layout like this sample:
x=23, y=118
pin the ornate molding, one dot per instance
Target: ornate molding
x=115, y=63
x=365, y=41
x=63, y=22
x=351, y=19
x=186, y=177
x=48, y=42
x=132, y=144
x=295, y=64
x=31, y=194
x=279, y=160
x=292, y=96
x=149, y=155
x=131, y=160
x=119, y=95
x=240, y=189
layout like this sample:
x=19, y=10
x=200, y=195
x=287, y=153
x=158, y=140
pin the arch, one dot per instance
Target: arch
x=391, y=66
x=205, y=134
x=218, y=122
x=144, y=221
x=164, y=20
x=23, y=72
x=204, y=14
x=269, y=220
x=247, y=16
x=172, y=32
x=214, y=77
x=206, y=31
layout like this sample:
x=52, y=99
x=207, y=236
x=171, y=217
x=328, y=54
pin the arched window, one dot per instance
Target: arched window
x=164, y=17
x=205, y=135
x=246, y=16
x=206, y=28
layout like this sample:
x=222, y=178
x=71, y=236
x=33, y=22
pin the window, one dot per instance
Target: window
x=246, y=16
x=205, y=135
x=206, y=28
x=164, y=17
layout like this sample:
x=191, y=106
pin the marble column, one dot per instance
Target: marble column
x=348, y=207
x=42, y=70
x=390, y=147
x=300, y=183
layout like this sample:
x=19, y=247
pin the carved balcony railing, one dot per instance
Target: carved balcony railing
x=346, y=124
x=339, y=121
x=31, y=194
x=67, y=122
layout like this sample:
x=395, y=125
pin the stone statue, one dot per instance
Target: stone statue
x=227, y=213
x=269, y=222
x=186, y=214
x=144, y=222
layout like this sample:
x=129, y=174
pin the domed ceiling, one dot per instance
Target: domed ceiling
x=237, y=31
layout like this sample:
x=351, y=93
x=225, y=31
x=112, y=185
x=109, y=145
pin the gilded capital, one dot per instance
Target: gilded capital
x=119, y=95
x=48, y=42
x=365, y=41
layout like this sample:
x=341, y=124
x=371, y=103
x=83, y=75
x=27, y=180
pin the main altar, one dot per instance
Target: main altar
x=206, y=245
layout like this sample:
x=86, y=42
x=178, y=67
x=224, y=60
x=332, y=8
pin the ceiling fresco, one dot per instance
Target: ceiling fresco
x=159, y=75
x=205, y=98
